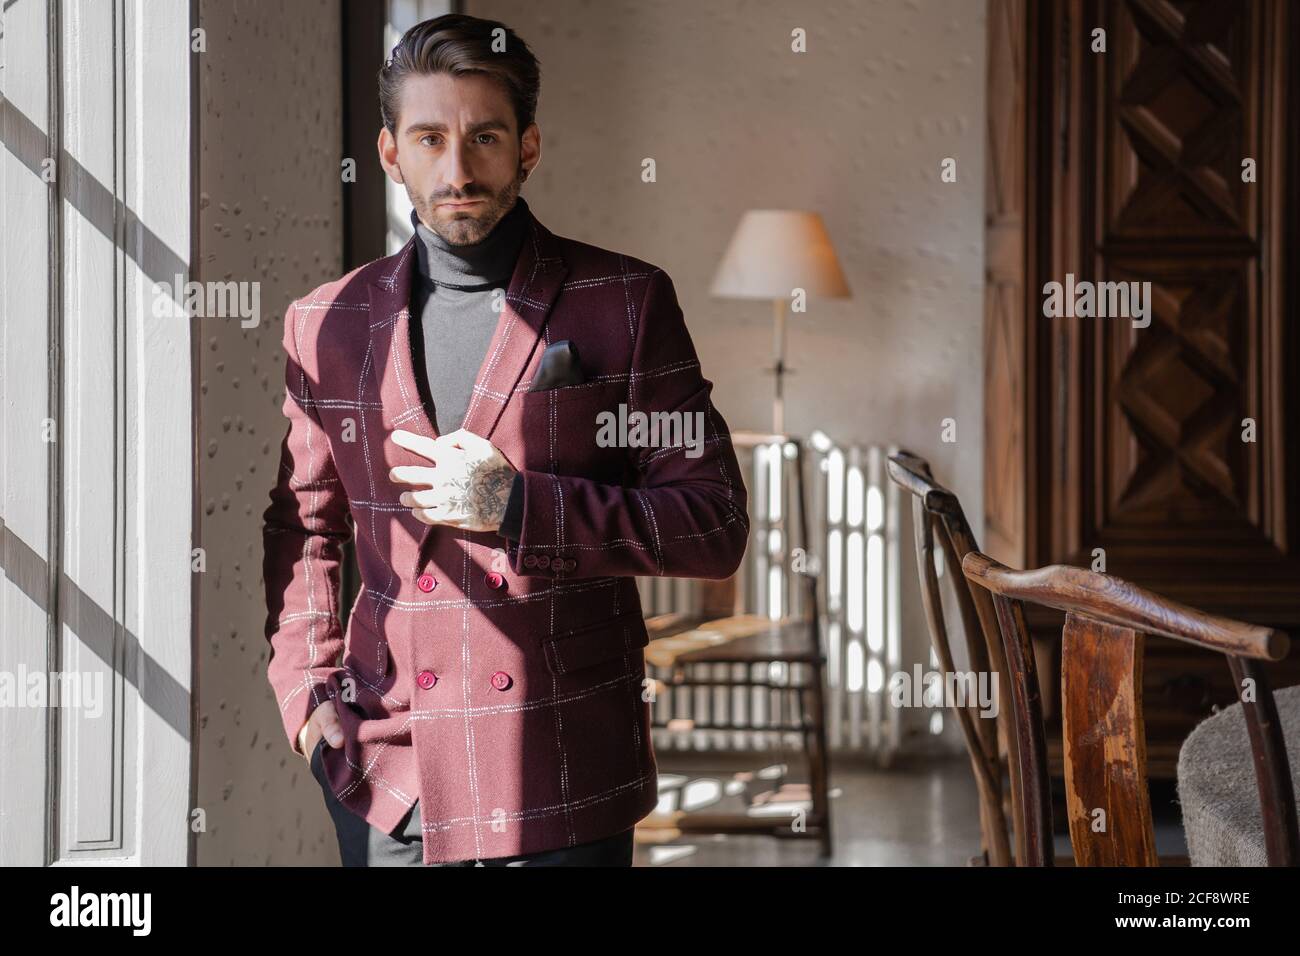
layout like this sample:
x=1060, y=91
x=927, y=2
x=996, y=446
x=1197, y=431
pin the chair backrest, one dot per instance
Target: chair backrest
x=1106, y=619
x=936, y=512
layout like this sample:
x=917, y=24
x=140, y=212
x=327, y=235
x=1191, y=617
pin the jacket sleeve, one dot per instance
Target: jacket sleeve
x=303, y=533
x=681, y=516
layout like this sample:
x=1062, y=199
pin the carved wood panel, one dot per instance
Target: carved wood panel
x=1181, y=111
x=1179, y=389
x=1156, y=416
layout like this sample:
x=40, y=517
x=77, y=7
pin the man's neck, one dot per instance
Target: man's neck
x=486, y=264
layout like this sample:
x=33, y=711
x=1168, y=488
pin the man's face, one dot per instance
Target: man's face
x=458, y=153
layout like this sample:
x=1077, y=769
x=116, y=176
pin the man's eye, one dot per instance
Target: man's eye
x=490, y=138
x=427, y=140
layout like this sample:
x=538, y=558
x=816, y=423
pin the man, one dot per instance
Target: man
x=445, y=404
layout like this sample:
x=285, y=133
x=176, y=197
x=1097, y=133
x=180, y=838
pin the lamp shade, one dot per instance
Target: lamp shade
x=776, y=250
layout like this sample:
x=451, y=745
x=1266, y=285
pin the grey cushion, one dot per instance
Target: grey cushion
x=1217, y=789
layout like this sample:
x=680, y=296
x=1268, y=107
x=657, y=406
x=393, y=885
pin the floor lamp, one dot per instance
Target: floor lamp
x=775, y=254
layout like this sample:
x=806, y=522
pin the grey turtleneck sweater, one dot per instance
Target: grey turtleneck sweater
x=451, y=294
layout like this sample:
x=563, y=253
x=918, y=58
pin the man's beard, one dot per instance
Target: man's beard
x=474, y=225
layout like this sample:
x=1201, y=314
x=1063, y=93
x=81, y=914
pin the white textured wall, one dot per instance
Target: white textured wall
x=270, y=211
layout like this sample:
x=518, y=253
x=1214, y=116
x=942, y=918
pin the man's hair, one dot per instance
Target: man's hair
x=457, y=44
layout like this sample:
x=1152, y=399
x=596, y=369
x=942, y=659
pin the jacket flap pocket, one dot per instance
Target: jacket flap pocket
x=597, y=643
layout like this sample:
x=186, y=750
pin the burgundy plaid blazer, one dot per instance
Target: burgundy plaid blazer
x=501, y=683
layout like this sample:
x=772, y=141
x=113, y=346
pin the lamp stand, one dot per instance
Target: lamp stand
x=778, y=403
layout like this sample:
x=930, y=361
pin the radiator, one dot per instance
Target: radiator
x=854, y=522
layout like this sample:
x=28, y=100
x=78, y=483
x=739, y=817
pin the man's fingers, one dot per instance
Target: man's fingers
x=456, y=436
x=424, y=498
x=325, y=719
x=459, y=442
x=332, y=731
x=420, y=444
x=446, y=513
x=440, y=513
x=431, y=497
x=414, y=475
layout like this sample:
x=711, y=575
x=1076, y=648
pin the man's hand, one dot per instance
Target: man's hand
x=466, y=486
x=323, y=722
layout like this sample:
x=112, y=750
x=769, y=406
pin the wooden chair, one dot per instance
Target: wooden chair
x=1106, y=619
x=936, y=512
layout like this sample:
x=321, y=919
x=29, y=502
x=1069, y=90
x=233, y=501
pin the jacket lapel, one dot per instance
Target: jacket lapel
x=536, y=282
x=389, y=358
x=534, y=285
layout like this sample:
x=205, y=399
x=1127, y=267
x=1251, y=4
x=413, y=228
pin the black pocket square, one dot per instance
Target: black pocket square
x=560, y=366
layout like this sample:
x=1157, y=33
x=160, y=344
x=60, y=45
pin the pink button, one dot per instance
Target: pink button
x=494, y=579
x=426, y=679
x=426, y=583
x=500, y=680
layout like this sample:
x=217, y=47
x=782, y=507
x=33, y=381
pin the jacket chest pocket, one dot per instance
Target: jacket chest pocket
x=574, y=430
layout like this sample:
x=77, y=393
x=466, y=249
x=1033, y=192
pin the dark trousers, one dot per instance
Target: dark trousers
x=360, y=844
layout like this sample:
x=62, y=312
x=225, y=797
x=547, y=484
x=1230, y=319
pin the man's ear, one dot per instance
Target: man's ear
x=530, y=149
x=388, y=155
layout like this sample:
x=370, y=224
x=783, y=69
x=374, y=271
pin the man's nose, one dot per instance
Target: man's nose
x=457, y=173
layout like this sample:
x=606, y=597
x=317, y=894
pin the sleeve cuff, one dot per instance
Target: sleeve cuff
x=512, y=522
